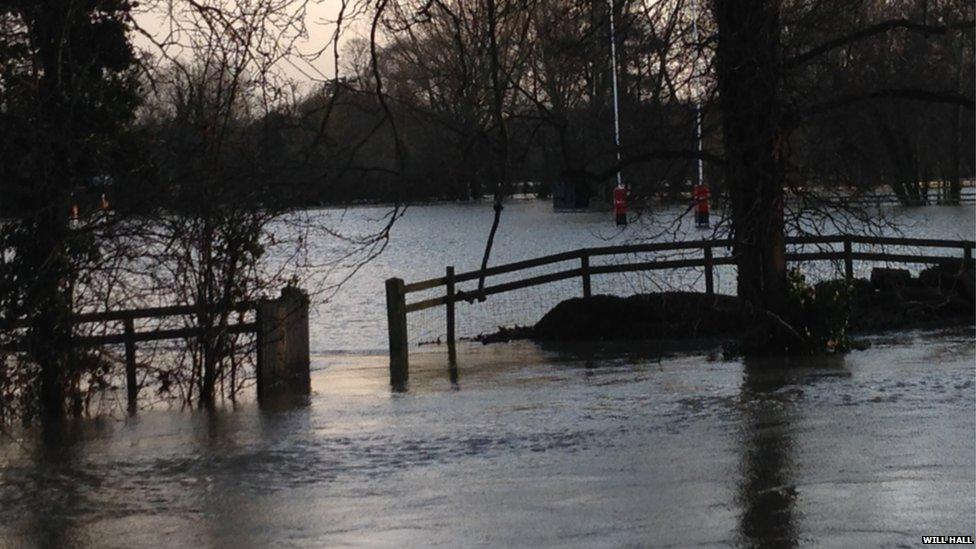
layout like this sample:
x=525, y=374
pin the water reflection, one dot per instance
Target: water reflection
x=553, y=450
x=771, y=397
x=452, y=373
x=284, y=402
x=57, y=453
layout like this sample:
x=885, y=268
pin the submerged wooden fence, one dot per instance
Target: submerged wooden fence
x=934, y=198
x=280, y=326
x=397, y=290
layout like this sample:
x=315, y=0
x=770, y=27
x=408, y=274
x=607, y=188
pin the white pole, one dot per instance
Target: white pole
x=698, y=117
x=616, y=101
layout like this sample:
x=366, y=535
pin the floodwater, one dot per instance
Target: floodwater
x=428, y=238
x=532, y=447
x=521, y=445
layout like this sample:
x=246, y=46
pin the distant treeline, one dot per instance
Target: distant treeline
x=861, y=117
x=890, y=114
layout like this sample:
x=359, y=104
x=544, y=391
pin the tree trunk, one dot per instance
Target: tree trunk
x=50, y=341
x=48, y=299
x=747, y=69
x=48, y=303
x=205, y=317
x=956, y=141
x=955, y=175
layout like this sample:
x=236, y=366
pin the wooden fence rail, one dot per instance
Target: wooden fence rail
x=397, y=290
x=280, y=326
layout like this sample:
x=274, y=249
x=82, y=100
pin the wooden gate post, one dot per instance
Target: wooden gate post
x=451, y=348
x=709, y=268
x=396, y=315
x=283, y=345
x=585, y=273
x=131, y=388
x=848, y=260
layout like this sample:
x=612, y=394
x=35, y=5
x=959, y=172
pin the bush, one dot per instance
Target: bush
x=815, y=321
x=824, y=312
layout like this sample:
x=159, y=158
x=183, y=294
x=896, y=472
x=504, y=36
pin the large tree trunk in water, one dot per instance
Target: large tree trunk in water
x=50, y=339
x=747, y=69
x=49, y=299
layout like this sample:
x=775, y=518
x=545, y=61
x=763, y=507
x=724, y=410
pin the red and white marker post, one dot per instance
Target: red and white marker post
x=701, y=196
x=620, y=204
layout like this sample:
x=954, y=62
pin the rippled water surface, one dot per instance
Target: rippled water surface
x=522, y=445
x=531, y=447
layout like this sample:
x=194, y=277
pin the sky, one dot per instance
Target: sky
x=155, y=18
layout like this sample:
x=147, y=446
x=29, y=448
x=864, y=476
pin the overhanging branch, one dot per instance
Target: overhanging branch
x=949, y=98
x=874, y=30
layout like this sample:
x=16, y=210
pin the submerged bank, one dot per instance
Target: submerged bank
x=891, y=300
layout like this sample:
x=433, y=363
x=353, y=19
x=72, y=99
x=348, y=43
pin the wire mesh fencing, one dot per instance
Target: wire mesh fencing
x=518, y=295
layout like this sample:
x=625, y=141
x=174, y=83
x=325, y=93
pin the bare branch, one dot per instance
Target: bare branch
x=874, y=30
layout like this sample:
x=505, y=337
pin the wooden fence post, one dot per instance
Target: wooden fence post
x=396, y=316
x=848, y=260
x=131, y=389
x=451, y=349
x=709, y=268
x=585, y=273
x=283, y=345
x=260, y=310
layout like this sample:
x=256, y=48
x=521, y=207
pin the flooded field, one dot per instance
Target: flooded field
x=526, y=446
x=428, y=238
x=522, y=445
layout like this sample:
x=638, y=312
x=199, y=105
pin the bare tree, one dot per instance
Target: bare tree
x=230, y=136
